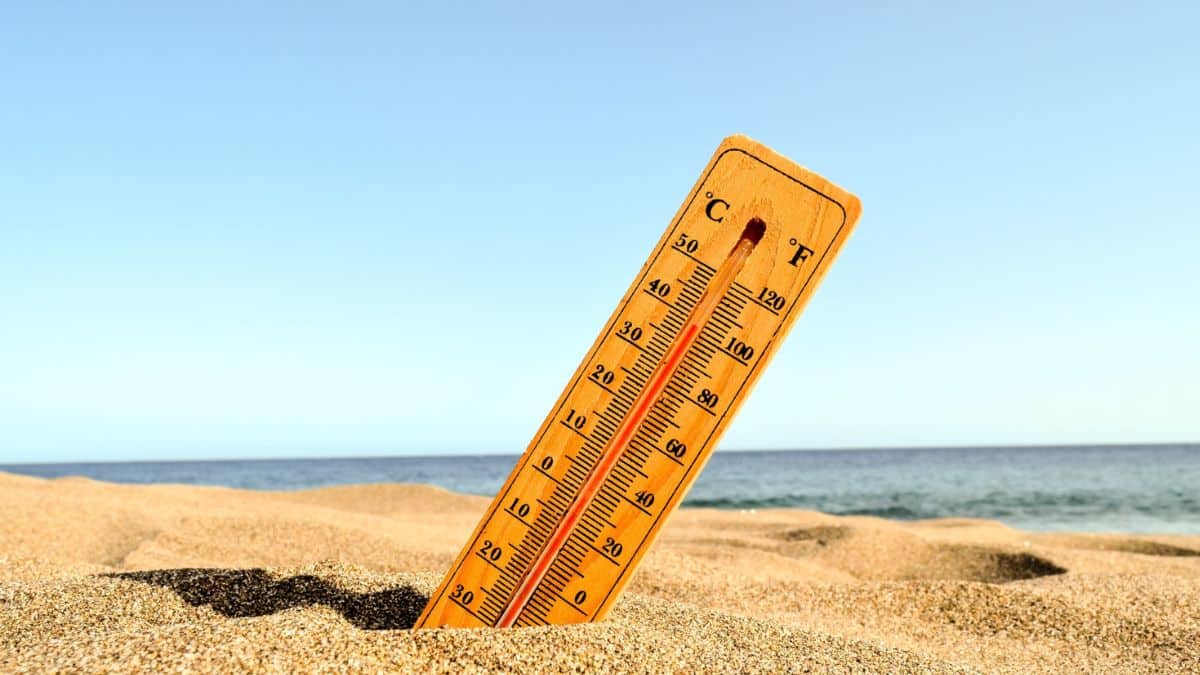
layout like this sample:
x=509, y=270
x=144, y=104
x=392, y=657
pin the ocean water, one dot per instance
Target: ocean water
x=1082, y=488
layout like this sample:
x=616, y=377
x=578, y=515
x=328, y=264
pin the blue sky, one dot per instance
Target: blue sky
x=275, y=229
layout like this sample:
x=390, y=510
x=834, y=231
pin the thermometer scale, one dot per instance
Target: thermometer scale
x=644, y=410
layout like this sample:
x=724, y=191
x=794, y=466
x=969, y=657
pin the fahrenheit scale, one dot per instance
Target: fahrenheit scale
x=642, y=413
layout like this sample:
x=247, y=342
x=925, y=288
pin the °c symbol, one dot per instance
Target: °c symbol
x=715, y=209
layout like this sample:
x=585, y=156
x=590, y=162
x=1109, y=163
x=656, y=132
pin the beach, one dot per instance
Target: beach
x=107, y=577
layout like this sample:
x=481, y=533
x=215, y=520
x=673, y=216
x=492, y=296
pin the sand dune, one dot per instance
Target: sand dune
x=102, y=577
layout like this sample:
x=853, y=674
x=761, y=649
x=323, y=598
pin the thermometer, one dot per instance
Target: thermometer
x=642, y=413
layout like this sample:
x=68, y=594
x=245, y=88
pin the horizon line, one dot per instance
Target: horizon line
x=1020, y=446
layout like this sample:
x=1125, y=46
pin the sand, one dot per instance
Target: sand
x=96, y=577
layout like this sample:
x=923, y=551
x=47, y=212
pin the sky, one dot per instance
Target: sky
x=278, y=229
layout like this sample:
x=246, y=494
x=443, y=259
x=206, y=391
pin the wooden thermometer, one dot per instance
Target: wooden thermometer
x=642, y=413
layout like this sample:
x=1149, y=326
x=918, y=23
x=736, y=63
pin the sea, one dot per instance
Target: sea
x=1103, y=488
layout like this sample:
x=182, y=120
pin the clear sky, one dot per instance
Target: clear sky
x=276, y=229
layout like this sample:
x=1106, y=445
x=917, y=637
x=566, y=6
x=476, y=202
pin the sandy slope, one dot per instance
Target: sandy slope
x=95, y=576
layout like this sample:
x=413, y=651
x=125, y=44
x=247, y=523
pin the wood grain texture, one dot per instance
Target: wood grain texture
x=807, y=220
